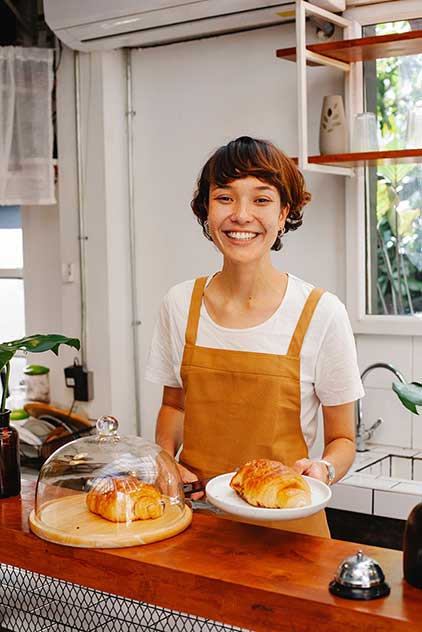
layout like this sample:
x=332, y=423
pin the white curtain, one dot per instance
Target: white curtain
x=26, y=131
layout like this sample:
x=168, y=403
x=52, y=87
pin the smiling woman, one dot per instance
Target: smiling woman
x=248, y=354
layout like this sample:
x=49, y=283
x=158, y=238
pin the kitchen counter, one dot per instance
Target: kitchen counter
x=249, y=576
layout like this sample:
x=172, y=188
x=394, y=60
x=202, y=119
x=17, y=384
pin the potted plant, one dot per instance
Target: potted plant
x=410, y=395
x=33, y=344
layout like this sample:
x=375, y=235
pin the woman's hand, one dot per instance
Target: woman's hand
x=312, y=468
x=189, y=477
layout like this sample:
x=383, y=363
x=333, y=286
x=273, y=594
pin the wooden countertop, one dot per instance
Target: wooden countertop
x=257, y=578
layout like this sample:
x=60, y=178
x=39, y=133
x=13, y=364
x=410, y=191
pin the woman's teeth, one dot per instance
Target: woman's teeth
x=242, y=236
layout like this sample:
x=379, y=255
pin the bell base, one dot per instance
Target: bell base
x=359, y=594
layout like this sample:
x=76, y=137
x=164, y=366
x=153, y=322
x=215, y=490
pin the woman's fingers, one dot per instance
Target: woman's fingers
x=189, y=477
x=311, y=468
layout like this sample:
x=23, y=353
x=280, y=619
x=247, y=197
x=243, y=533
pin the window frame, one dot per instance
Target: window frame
x=355, y=220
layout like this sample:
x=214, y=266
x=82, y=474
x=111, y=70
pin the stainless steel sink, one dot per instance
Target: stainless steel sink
x=395, y=466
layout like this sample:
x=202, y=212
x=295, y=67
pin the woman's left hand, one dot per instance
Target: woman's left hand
x=311, y=468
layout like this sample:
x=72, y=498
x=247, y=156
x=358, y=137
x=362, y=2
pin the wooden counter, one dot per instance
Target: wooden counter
x=248, y=576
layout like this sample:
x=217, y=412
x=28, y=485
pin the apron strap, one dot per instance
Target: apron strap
x=194, y=310
x=303, y=322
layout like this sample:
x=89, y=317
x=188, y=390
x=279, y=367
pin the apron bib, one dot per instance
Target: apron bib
x=242, y=405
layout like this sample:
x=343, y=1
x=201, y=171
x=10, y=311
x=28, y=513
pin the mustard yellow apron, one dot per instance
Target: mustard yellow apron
x=242, y=405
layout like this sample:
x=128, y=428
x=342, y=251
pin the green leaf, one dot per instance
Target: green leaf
x=35, y=344
x=5, y=357
x=409, y=394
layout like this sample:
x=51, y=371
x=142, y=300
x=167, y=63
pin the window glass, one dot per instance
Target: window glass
x=11, y=248
x=11, y=251
x=12, y=312
x=393, y=90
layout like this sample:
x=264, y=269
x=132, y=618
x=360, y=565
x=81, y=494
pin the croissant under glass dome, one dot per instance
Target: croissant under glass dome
x=107, y=491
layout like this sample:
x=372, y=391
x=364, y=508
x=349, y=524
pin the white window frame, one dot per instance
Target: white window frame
x=363, y=323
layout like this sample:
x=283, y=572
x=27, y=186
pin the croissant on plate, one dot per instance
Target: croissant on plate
x=124, y=499
x=266, y=483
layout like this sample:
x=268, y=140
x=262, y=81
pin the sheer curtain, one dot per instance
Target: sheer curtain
x=26, y=131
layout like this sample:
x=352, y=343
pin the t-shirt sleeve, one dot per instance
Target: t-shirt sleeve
x=337, y=376
x=160, y=366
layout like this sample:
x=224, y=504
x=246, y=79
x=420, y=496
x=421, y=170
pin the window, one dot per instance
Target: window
x=373, y=302
x=12, y=306
x=393, y=89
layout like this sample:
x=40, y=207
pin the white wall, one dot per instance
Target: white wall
x=190, y=98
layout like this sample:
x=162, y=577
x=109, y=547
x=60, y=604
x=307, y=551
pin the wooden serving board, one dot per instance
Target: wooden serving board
x=68, y=521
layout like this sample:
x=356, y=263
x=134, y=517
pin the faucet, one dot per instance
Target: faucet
x=361, y=434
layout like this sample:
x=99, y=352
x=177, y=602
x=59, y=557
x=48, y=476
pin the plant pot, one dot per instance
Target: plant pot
x=333, y=131
x=10, y=474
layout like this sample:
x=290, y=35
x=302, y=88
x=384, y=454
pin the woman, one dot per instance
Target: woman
x=247, y=355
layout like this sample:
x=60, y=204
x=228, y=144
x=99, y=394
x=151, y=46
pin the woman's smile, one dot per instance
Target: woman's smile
x=240, y=236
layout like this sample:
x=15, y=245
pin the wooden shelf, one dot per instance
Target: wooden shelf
x=363, y=48
x=369, y=158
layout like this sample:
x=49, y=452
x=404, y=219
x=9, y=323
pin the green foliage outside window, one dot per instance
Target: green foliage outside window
x=399, y=186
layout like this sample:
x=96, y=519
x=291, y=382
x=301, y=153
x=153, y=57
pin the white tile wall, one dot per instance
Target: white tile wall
x=395, y=350
x=397, y=427
x=394, y=505
x=351, y=498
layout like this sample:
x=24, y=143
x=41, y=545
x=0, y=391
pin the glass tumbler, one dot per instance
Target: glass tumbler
x=414, y=127
x=364, y=137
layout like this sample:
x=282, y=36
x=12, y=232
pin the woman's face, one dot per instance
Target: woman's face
x=244, y=217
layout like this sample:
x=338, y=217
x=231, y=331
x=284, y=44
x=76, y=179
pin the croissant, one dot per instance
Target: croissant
x=124, y=499
x=266, y=483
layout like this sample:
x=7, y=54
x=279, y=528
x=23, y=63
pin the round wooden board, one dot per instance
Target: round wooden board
x=68, y=521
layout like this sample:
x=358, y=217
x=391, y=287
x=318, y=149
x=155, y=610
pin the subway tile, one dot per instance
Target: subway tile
x=417, y=430
x=22, y=579
x=395, y=350
x=371, y=482
x=130, y=610
x=17, y=620
x=18, y=598
x=392, y=504
x=59, y=590
x=351, y=498
x=396, y=429
x=409, y=487
x=82, y=619
x=417, y=359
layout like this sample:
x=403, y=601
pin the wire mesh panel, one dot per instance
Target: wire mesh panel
x=30, y=602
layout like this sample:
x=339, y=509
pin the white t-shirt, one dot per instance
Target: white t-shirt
x=329, y=373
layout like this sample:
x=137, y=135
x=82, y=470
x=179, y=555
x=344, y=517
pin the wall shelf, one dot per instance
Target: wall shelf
x=362, y=48
x=369, y=158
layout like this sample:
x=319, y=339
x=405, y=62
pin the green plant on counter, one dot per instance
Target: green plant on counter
x=410, y=395
x=31, y=344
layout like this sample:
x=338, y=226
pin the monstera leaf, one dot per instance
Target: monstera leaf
x=410, y=395
x=32, y=344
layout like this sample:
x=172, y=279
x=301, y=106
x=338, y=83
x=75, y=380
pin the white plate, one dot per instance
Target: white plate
x=220, y=494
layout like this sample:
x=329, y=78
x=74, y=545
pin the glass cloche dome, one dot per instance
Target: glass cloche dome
x=109, y=491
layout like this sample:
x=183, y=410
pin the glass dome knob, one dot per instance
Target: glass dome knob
x=107, y=426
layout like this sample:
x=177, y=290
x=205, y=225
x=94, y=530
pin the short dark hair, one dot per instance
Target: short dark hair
x=246, y=156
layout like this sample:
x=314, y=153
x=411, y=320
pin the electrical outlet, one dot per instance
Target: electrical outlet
x=68, y=272
x=81, y=381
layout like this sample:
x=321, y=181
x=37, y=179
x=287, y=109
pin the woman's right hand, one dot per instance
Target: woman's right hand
x=189, y=477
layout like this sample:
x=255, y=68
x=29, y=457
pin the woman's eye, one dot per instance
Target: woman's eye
x=263, y=200
x=224, y=198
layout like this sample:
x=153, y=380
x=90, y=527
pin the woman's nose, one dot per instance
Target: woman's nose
x=241, y=212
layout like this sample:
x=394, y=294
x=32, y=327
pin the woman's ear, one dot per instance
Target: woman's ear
x=283, y=215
